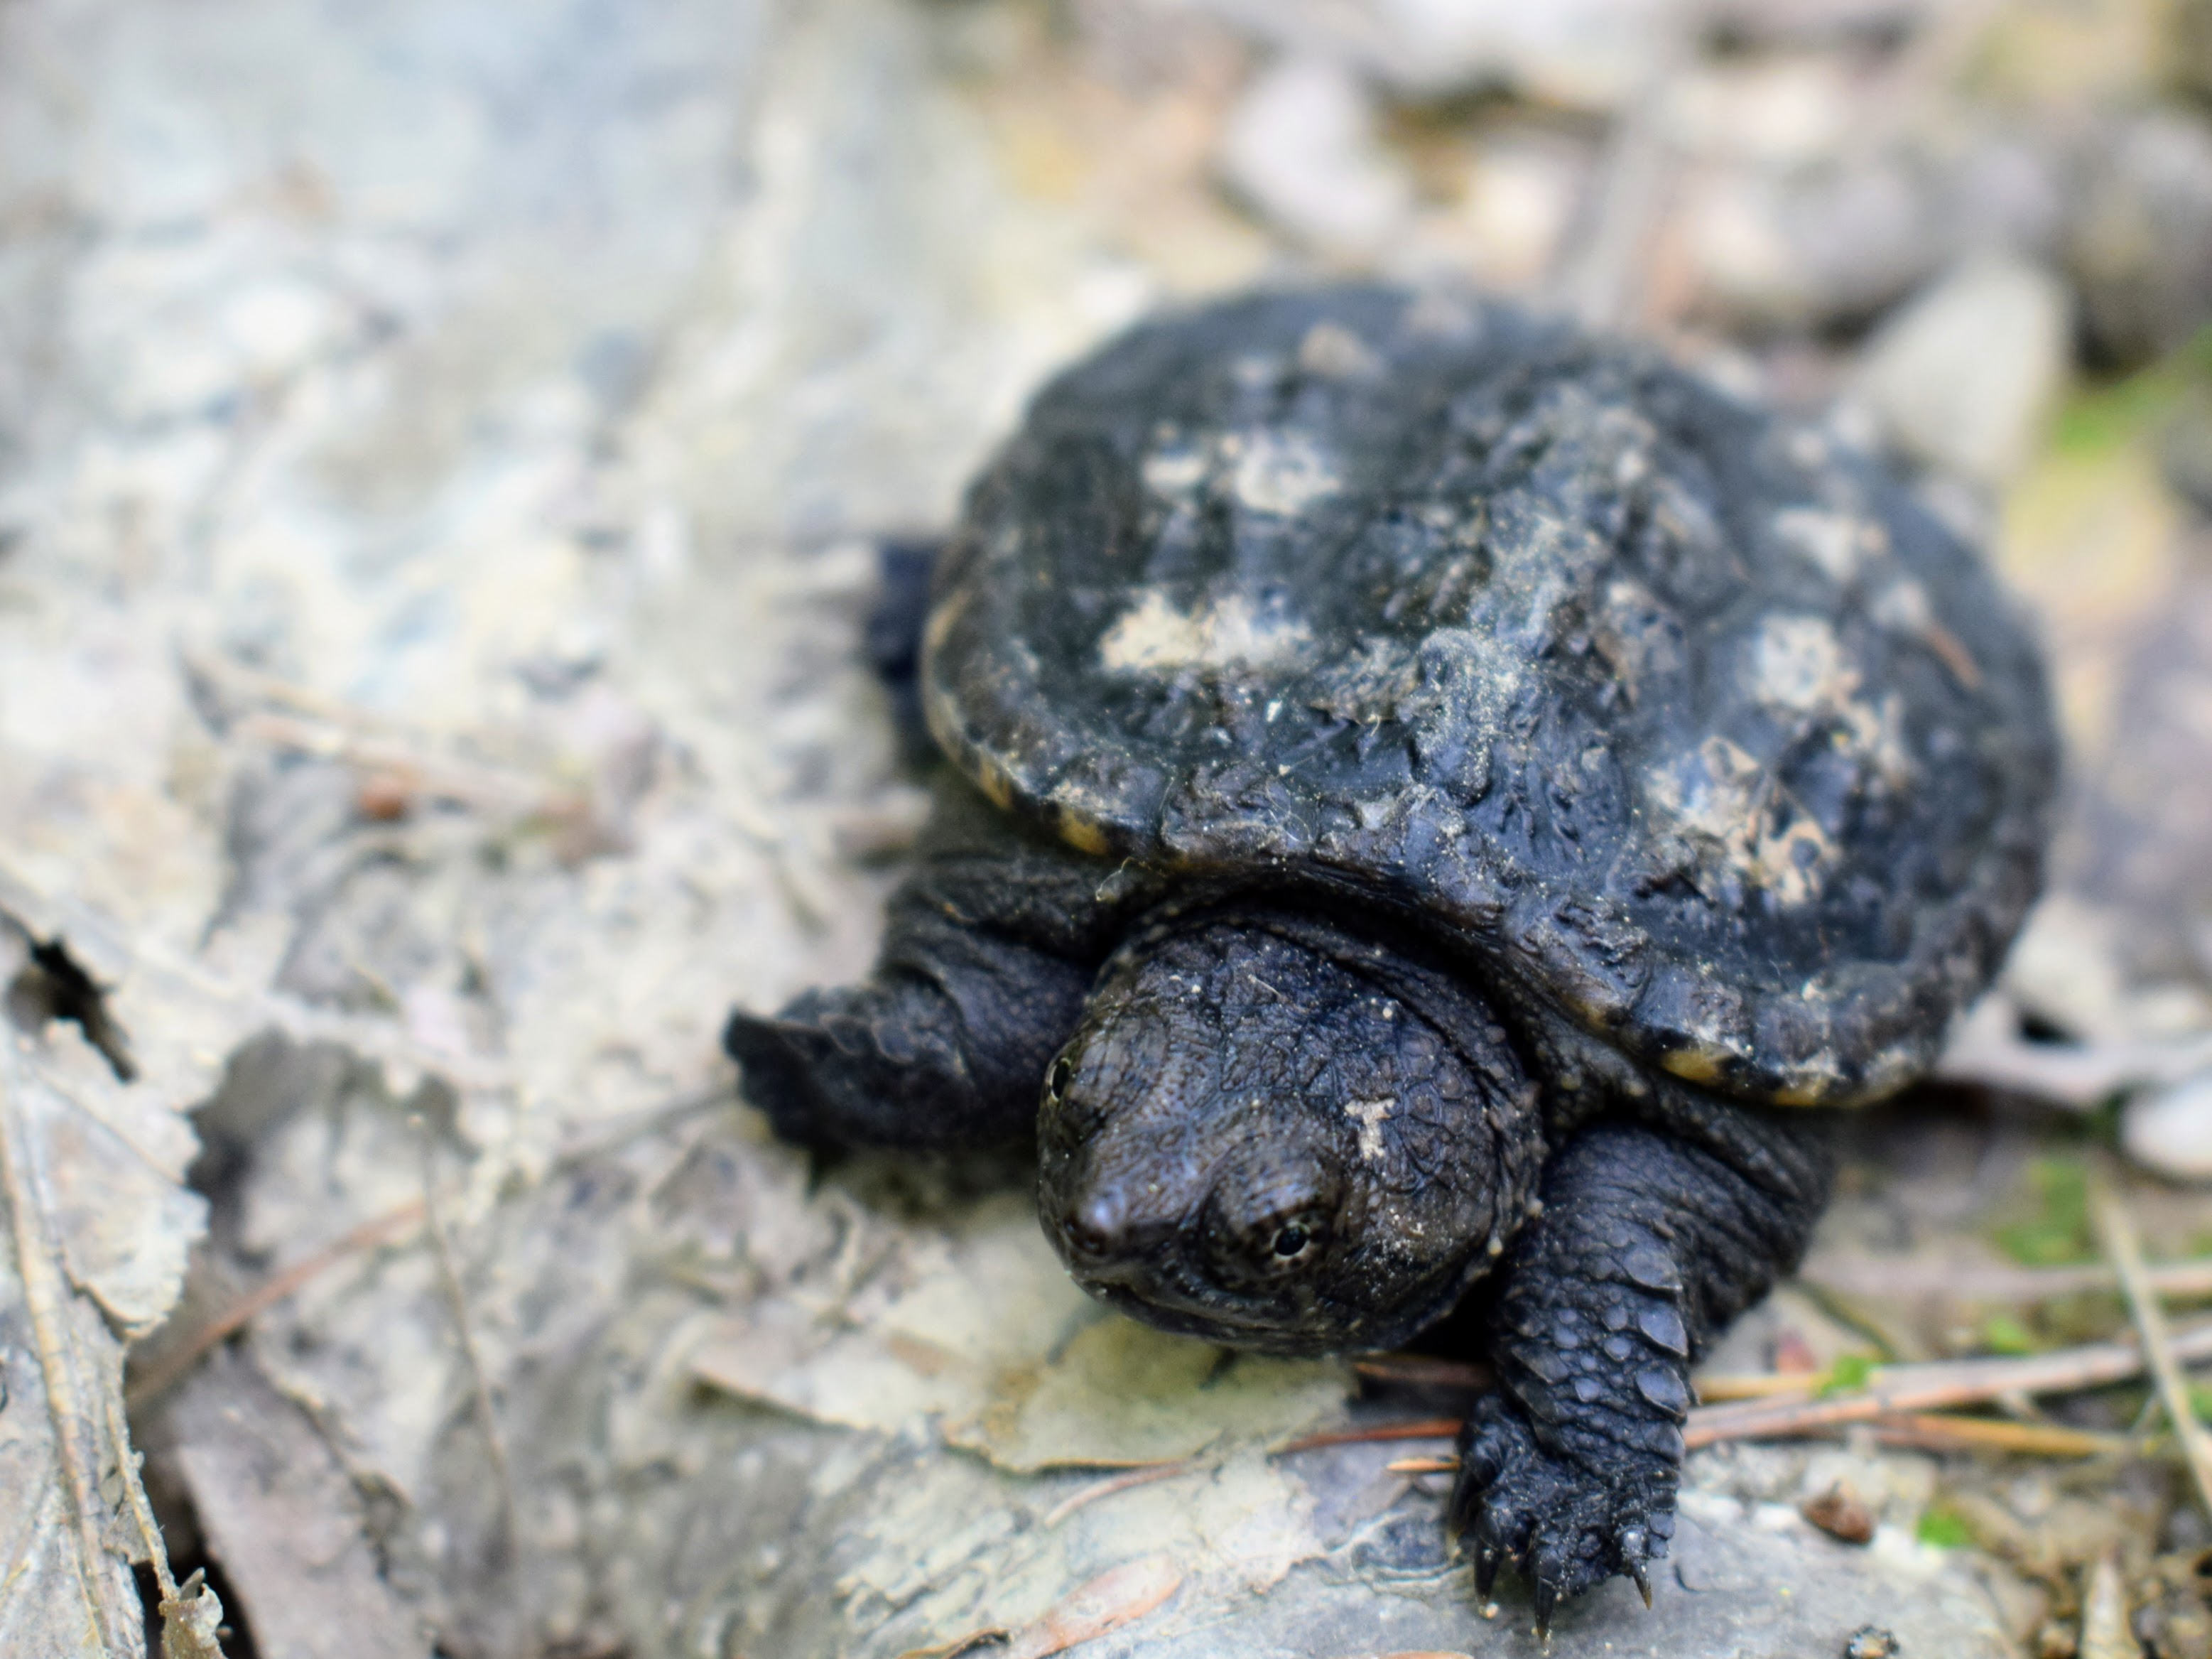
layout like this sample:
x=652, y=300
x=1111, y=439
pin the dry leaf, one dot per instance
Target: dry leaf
x=1113, y=1599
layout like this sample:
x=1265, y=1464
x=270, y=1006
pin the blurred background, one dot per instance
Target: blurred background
x=443, y=450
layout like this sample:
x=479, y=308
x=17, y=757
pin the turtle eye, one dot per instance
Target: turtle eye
x=1286, y=1246
x=1057, y=1079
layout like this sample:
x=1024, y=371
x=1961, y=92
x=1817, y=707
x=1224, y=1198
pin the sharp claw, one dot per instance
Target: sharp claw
x=1546, y=1598
x=1634, y=1548
x=1486, y=1568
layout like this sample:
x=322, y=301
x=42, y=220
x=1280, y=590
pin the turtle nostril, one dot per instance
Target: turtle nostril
x=1095, y=1227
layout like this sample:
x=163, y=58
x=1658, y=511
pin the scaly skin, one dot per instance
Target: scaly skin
x=1646, y=1247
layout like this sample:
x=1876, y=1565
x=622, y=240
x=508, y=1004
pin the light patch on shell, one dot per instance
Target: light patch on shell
x=1380, y=681
x=1176, y=471
x=1736, y=822
x=1280, y=474
x=1839, y=543
x=1798, y=669
x=1797, y=665
x=1335, y=352
x=1154, y=636
x=1369, y=1115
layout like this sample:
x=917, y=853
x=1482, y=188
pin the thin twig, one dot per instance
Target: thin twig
x=1935, y=1431
x=2106, y=1627
x=1429, y=1428
x=46, y=1298
x=1893, y=1389
x=1108, y=1488
x=127, y=1463
x=1898, y=1279
x=1755, y=1385
x=188, y=1352
x=2117, y=1228
x=1420, y=1370
x=1928, y=1431
x=466, y=783
x=1424, y=1466
x=1597, y=273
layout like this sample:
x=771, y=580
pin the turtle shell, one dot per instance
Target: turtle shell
x=1693, y=723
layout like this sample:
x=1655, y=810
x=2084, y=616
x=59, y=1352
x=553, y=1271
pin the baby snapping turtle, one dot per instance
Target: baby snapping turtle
x=1440, y=795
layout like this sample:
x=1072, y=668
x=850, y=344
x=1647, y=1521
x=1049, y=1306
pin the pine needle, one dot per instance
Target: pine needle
x=2118, y=1230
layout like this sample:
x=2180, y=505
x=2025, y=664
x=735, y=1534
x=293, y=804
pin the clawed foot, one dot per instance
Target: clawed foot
x=1566, y=1527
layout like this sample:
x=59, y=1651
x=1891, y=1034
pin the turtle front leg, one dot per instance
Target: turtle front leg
x=1647, y=1245
x=989, y=949
x=945, y=1057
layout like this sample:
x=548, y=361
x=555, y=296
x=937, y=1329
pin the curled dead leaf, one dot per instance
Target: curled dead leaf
x=1842, y=1514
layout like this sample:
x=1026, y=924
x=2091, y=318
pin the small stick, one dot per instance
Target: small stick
x=1424, y=1466
x=1943, y=1432
x=1878, y=1276
x=1422, y=1370
x=190, y=1351
x=1893, y=1392
x=1107, y=1488
x=1428, y=1428
x=128, y=1461
x=1930, y=1431
x=2117, y=1228
x=1601, y=263
x=1761, y=1385
x=1900, y=1388
x=50, y=1303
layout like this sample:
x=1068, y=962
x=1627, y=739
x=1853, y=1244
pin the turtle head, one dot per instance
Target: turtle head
x=1275, y=1134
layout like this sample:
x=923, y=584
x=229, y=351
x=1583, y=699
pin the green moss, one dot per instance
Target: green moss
x=2003, y=1333
x=2054, y=1230
x=1851, y=1371
x=2105, y=417
x=1944, y=1527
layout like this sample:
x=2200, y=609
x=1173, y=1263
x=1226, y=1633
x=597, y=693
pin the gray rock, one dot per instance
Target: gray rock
x=1837, y=240
x=2170, y=1130
x=1300, y=147
x=1963, y=376
x=1590, y=53
x=2139, y=246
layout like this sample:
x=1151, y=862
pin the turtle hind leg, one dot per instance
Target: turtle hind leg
x=1647, y=1244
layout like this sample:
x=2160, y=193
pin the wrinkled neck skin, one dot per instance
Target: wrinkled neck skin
x=1275, y=1132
